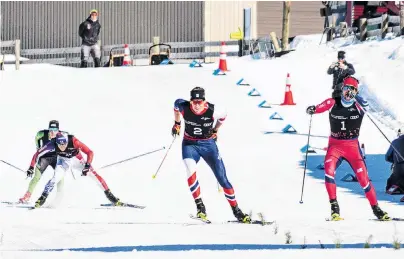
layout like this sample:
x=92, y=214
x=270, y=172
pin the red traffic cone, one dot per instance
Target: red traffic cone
x=127, y=61
x=222, y=62
x=288, y=93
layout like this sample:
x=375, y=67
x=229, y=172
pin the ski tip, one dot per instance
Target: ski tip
x=124, y=205
x=331, y=219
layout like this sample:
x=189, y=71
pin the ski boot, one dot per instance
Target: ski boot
x=240, y=216
x=25, y=199
x=335, y=210
x=41, y=201
x=381, y=215
x=114, y=200
x=200, y=209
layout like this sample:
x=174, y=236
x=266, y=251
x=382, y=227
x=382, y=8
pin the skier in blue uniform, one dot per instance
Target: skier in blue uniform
x=200, y=141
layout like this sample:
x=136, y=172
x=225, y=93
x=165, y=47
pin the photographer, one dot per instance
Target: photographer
x=340, y=70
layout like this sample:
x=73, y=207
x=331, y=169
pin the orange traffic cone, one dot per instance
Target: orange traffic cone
x=126, y=58
x=288, y=93
x=222, y=62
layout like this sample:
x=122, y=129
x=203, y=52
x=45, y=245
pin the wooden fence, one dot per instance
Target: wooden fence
x=379, y=27
x=71, y=56
x=368, y=28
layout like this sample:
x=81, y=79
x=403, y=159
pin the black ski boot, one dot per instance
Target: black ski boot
x=381, y=215
x=200, y=209
x=240, y=216
x=83, y=64
x=114, y=200
x=335, y=216
x=97, y=62
x=41, y=200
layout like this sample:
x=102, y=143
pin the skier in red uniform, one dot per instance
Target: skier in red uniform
x=345, y=121
x=67, y=148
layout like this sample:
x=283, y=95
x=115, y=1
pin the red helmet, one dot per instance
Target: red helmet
x=351, y=81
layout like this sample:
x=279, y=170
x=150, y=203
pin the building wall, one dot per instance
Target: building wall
x=54, y=24
x=305, y=18
x=224, y=17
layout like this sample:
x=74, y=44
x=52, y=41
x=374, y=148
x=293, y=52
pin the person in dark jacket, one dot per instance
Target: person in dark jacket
x=396, y=157
x=340, y=70
x=89, y=31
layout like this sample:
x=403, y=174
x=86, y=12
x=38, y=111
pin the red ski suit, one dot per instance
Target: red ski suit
x=345, y=123
x=76, y=146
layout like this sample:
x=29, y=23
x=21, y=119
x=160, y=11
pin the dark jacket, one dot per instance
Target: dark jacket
x=339, y=74
x=397, y=174
x=391, y=155
x=89, y=32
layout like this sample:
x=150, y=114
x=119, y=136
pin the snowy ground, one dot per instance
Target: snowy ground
x=122, y=112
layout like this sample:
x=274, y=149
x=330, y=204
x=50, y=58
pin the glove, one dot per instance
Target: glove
x=85, y=169
x=311, y=110
x=333, y=64
x=30, y=171
x=176, y=129
x=214, y=134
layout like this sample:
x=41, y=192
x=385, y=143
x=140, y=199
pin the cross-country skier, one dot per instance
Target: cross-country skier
x=67, y=149
x=345, y=121
x=200, y=141
x=42, y=138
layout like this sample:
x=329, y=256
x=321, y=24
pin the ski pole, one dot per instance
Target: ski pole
x=158, y=169
x=219, y=189
x=19, y=169
x=144, y=154
x=367, y=114
x=305, y=162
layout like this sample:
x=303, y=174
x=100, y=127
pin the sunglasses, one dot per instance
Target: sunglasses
x=349, y=87
x=197, y=101
x=54, y=129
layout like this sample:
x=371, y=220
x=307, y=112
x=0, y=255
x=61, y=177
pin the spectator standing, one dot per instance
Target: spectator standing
x=89, y=31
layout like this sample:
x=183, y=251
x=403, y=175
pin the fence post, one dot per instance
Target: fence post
x=275, y=41
x=17, y=48
x=402, y=21
x=362, y=28
x=1, y=61
x=240, y=48
x=331, y=31
x=156, y=40
x=285, y=26
x=385, y=23
x=343, y=26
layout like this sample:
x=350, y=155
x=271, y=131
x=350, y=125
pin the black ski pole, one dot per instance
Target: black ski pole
x=367, y=114
x=305, y=162
x=144, y=154
x=168, y=150
x=19, y=169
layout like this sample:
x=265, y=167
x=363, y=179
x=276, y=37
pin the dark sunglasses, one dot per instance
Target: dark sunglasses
x=197, y=101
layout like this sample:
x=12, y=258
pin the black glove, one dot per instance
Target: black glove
x=30, y=171
x=311, y=110
x=85, y=169
x=176, y=129
x=214, y=134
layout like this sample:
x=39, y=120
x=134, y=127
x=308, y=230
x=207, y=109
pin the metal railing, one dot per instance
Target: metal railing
x=71, y=56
